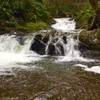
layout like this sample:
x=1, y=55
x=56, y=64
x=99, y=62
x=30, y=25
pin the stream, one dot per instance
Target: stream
x=27, y=75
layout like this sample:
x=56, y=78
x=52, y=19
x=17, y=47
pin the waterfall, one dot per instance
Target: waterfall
x=64, y=24
x=67, y=26
x=16, y=49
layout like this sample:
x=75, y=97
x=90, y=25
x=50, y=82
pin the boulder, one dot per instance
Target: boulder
x=45, y=39
x=38, y=46
x=52, y=50
x=88, y=40
x=60, y=49
x=64, y=39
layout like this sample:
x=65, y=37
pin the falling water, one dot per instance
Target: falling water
x=15, y=50
x=49, y=80
x=68, y=26
x=64, y=24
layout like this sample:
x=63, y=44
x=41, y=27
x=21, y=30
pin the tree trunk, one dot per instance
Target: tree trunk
x=95, y=23
x=94, y=4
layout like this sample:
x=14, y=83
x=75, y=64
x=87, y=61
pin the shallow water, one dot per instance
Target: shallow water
x=25, y=75
x=47, y=80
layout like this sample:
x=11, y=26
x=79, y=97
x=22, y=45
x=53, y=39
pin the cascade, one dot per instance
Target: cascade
x=62, y=41
x=67, y=26
x=15, y=49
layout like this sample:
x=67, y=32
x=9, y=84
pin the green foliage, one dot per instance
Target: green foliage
x=11, y=24
x=27, y=10
x=19, y=12
x=84, y=15
x=68, y=9
x=30, y=26
x=40, y=11
x=36, y=26
x=61, y=8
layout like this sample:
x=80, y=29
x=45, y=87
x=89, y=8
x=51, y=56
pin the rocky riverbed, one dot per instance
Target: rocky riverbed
x=51, y=81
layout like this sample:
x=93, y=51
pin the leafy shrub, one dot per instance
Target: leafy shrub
x=84, y=15
x=28, y=10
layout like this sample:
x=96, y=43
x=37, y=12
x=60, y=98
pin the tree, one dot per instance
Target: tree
x=95, y=23
x=26, y=10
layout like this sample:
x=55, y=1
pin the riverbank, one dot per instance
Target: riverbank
x=90, y=39
x=28, y=27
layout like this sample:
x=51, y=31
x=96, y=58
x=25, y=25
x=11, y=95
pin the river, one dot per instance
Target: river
x=26, y=75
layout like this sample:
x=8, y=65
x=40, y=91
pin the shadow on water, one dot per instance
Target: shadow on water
x=50, y=81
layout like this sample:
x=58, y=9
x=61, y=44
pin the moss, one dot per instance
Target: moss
x=35, y=26
x=31, y=27
x=22, y=27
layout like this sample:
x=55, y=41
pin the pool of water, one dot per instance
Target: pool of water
x=49, y=80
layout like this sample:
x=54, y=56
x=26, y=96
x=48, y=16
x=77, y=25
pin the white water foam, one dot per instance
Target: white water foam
x=64, y=24
x=72, y=52
x=95, y=69
x=13, y=54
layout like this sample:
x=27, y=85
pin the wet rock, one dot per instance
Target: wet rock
x=20, y=39
x=38, y=46
x=60, y=49
x=55, y=40
x=52, y=49
x=83, y=47
x=64, y=39
x=55, y=48
x=38, y=37
x=45, y=39
x=88, y=40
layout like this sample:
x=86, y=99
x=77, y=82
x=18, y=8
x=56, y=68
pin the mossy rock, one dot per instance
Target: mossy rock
x=89, y=38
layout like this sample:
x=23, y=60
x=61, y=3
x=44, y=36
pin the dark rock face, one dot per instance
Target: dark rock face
x=54, y=47
x=46, y=39
x=83, y=47
x=64, y=39
x=20, y=40
x=55, y=50
x=89, y=41
x=38, y=46
x=60, y=49
x=51, y=50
